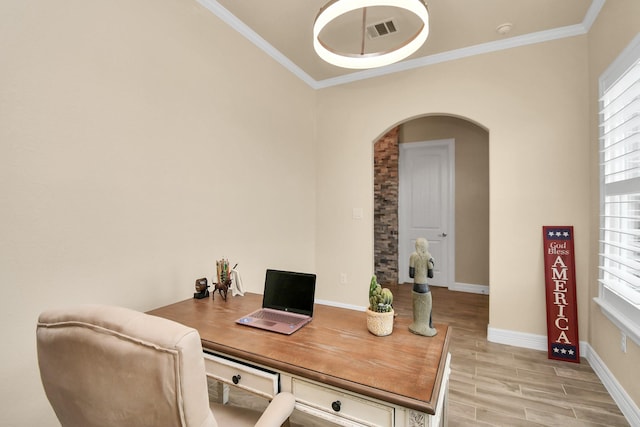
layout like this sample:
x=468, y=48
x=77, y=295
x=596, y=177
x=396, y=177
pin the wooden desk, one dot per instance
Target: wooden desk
x=402, y=379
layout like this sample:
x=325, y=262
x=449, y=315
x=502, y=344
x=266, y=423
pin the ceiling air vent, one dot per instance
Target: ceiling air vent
x=380, y=29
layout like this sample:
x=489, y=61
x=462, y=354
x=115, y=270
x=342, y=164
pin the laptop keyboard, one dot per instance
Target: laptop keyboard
x=278, y=317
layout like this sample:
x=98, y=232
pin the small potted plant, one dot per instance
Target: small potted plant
x=380, y=311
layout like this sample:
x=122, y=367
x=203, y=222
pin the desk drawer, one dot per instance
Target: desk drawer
x=249, y=378
x=349, y=406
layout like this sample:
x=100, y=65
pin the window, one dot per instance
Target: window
x=619, y=295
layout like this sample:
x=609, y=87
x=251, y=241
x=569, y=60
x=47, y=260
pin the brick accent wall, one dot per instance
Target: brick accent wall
x=385, y=224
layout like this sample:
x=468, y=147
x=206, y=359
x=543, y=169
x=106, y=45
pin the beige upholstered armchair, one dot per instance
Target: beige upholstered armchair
x=111, y=366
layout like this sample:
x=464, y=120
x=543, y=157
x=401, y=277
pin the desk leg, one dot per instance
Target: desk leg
x=445, y=413
x=445, y=409
x=222, y=391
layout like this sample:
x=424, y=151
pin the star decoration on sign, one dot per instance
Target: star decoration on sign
x=559, y=234
x=565, y=352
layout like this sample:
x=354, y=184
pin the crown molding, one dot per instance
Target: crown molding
x=452, y=55
x=512, y=42
x=231, y=20
x=592, y=14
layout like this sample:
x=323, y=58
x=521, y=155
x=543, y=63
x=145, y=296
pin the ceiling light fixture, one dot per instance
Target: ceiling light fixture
x=363, y=60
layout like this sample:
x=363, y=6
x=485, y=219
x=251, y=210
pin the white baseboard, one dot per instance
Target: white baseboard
x=517, y=339
x=539, y=342
x=470, y=288
x=619, y=395
x=341, y=305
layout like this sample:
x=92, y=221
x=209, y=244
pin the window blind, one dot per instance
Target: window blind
x=620, y=178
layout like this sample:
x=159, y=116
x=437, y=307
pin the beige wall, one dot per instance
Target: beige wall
x=471, y=190
x=617, y=24
x=533, y=102
x=138, y=144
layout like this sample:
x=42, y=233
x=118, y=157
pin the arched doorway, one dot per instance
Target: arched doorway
x=470, y=192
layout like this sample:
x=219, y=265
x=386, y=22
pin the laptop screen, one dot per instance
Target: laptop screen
x=289, y=291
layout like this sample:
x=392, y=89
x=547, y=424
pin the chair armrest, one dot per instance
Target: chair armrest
x=278, y=410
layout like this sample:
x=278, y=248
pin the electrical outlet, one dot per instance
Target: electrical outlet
x=343, y=278
x=623, y=342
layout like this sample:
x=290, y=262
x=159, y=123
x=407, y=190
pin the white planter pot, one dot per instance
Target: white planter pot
x=380, y=324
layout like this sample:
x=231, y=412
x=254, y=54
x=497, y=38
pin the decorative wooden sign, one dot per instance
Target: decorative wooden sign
x=560, y=284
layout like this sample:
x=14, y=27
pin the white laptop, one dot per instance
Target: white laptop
x=287, y=302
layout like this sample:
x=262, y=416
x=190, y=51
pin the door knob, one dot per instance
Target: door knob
x=444, y=234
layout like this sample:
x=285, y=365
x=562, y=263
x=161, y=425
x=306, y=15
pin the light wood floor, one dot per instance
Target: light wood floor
x=494, y=384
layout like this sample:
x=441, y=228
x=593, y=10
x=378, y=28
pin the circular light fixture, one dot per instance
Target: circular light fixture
x=362, y=60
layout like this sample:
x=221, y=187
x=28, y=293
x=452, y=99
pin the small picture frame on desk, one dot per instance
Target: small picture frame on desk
x=202, y=288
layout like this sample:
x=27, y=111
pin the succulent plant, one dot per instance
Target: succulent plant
x=380, y=299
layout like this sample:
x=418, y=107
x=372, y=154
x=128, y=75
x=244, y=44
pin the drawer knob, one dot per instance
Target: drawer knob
x=336, y=405
x=236, y=379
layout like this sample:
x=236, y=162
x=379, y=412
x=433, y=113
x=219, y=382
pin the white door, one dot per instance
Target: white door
x=425, y=206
